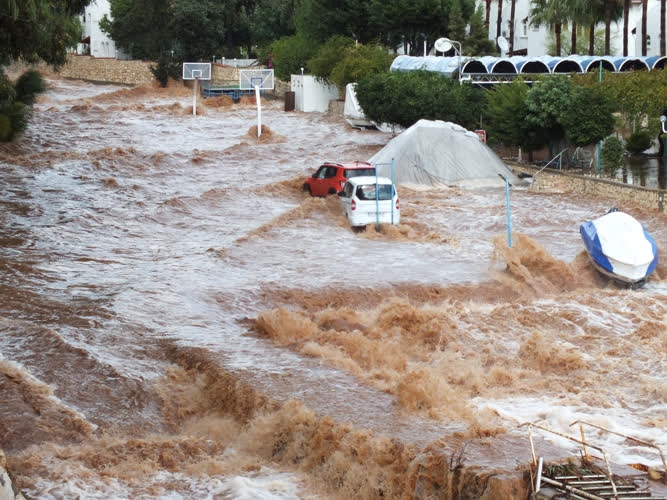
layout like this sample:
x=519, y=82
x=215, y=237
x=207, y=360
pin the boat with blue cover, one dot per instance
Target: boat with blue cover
x=620, y=247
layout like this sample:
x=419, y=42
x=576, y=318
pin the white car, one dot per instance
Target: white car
x=370, y=200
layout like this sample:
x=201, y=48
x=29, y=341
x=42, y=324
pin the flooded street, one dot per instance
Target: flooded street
x=180, y=320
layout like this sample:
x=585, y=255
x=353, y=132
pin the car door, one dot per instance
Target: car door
x=331, y=181
x=345, y=197
x=318, y=186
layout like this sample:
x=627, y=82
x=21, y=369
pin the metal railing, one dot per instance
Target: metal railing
x=582, y=442
x=638, y=441
x=552, y=160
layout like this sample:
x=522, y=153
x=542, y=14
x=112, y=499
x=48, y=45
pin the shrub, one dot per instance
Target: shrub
x=29, y=85
x=611, y=155
x=165, y=69
x=639, y=140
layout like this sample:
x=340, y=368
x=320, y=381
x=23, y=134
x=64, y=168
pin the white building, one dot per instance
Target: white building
x=534, y=40
x=94, y=41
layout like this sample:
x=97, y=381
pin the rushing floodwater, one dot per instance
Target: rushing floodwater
x=181, y=321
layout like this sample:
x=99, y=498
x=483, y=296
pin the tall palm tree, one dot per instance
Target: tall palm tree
x=499, y=21
x=593, y=14
x=512, y=15
x=644, y=31
x=612, y=12
x=487, y=14
x=626, y=21
x=663, y=12
x=551, y=13
x=579, y=15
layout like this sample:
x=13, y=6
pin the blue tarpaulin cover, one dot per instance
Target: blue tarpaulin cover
x=620, y=246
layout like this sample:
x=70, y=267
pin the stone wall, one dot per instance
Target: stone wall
x=548, y=180
x=97, y=69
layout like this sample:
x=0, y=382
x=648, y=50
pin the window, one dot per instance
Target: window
x=524, y=28
x=358, y=172
x=367, y=192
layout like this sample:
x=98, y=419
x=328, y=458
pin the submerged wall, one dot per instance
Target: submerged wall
x=558, y=181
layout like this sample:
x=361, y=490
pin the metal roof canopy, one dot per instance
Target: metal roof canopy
x=527, y=65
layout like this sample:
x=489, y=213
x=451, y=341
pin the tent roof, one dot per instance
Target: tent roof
x=441, y=153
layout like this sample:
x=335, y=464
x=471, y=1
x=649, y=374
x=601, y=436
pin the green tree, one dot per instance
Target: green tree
x=506, y=118
x=341, y=61
x=412, y=23
x=290, y=54
x=194, y=30
x=319, y=20
x=589, y=115
x=550, y=13
x=39, y=30
x=613, y=11
x=566, y=43
x=545, y=102
x=140, y=27
x=198, y=27
x=328, y=55
x=359, y=61
x=403, y=98
x=16, y=102
x=272, y=19
x=477, y=41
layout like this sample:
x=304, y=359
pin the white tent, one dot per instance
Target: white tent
x=441, y=153
x=352, y=112
x=355, y=116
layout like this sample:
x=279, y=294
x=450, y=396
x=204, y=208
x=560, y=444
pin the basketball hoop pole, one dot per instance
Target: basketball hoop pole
x=259, y=111
x=194, y=98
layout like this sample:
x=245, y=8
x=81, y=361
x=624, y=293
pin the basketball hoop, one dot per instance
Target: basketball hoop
x=196, y=72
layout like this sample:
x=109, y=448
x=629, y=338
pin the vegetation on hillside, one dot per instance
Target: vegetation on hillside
x=34, y=31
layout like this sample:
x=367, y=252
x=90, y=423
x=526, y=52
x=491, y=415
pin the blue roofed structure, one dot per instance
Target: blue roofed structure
x=478, y=67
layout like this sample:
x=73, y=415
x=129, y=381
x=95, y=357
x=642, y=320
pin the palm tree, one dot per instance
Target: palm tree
x=499, y=21
x=612, y=12
x=512, y=15
x=626, y=20
x=579, y=15
x=663, y=11
x=487, y=14
x=593, y=14
x=644, y=13
x=551, y=13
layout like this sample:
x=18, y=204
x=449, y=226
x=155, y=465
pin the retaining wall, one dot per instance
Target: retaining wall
x=98, y=69
x=558, y=181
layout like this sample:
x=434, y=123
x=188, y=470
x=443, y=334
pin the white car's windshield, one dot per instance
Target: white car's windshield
x=367, y=192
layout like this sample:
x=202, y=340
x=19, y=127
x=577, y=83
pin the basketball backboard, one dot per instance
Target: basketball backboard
x=250, y=78
x=196, y=71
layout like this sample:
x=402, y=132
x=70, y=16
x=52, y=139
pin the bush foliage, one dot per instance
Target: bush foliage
x=403, y=98
x=611, y=155
x=638, y=141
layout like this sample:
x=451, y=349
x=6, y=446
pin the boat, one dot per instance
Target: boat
x=620, y=247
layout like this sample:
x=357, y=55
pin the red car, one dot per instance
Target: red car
x=330, y=178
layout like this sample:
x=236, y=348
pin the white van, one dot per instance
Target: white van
x=370, y=200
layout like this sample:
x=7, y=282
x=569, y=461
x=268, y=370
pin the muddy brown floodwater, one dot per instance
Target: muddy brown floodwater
x=180, y=320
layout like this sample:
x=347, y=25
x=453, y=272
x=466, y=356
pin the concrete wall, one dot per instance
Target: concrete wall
x=312, y=95
x=557, y=181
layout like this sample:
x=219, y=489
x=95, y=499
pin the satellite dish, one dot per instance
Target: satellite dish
x=443, y=45
x=502, y=43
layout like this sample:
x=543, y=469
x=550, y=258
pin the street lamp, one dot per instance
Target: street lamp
x=663, y=124
x=445, y=45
